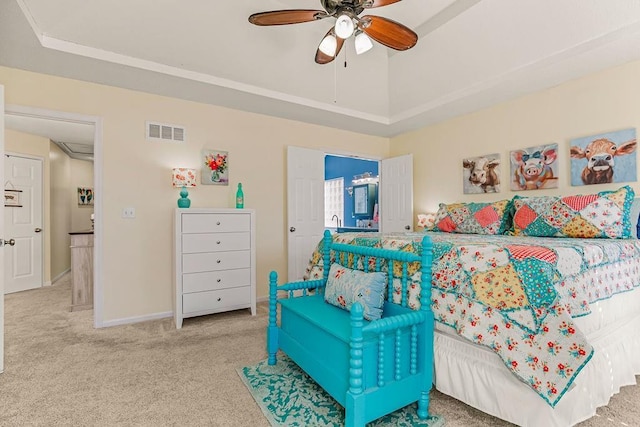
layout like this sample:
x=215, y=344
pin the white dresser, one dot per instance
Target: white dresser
x=215, y=261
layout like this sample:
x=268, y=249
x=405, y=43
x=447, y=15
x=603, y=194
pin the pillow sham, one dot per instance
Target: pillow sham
x=634, y=218
x=346, y=286
x=601, y=215
x=472, y=218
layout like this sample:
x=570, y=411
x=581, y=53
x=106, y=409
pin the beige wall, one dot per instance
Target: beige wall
x=61, y=197
x=137, y=270
x=137, y=265
x=602, y=102
x=81, y=176
x=38, y=147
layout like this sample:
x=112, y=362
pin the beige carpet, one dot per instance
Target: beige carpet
x=61, y=371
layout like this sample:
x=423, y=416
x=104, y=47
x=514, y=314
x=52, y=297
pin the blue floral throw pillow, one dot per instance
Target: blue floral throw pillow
x=346, y=286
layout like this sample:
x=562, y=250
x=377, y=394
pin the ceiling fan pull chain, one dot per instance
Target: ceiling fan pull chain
x=345, y=58
x=335, y=82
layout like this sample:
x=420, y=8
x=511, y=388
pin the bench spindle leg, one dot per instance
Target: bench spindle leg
x=423, y=405
x=354, y=410
x=272, y=329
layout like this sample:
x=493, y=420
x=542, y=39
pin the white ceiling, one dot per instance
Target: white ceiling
x=470, y=54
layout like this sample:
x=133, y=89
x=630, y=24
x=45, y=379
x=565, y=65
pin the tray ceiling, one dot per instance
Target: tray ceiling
x=470, y=54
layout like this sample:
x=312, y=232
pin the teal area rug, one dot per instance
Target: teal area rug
x=289, y=397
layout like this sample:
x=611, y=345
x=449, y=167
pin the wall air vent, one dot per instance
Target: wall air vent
x=165, y=132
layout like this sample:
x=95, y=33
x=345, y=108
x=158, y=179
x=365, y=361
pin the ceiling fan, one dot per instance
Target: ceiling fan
x=348, y=22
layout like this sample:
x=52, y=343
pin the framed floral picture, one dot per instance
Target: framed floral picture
x=215, y=169
x=85, y=196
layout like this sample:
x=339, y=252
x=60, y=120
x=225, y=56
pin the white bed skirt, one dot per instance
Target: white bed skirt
x=478, y=377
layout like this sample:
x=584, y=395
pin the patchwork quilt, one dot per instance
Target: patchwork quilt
x=515, y=295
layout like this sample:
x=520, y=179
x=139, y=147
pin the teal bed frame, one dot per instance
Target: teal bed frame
x=370, y=368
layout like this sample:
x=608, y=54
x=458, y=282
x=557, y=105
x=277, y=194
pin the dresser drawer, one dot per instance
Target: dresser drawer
x=215, y=242
x=214, y=261
x=215, y=222
x=216, y=300
x=212, y=280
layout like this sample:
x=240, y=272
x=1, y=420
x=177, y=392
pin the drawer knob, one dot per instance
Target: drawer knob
x=218, y=261
x=219, y=299
x=218, y=223
x=219, y=280
x=218, y=242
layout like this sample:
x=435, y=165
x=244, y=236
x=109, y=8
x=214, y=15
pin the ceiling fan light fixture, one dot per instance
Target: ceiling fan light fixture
x=344, y=26
x=328, y=45
x=362, y=43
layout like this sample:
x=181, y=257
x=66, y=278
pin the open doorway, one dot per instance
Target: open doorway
x=351, y=194
x=77, y=139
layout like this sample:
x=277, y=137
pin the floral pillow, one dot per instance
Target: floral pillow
x=472, y=218
x=346, y=286
x=605, y=214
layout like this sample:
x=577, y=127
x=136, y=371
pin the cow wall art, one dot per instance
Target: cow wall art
x=481, y=174
x=604, y=158
x=534, y=168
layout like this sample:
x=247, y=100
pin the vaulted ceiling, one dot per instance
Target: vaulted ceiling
x=470, y=54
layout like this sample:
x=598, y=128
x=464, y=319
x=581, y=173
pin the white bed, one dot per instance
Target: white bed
x=476, y=376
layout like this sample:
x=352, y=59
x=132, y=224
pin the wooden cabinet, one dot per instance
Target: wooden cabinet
x=81, y=270
x=215, y=261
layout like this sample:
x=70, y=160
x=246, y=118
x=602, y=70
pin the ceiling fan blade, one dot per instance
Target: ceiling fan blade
x=284, y=17
x=388, y=32
x=323, y=58
x=379, y=3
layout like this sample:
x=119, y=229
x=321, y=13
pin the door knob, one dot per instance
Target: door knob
x=38, y=230
x=10, y=242
x=292, y=229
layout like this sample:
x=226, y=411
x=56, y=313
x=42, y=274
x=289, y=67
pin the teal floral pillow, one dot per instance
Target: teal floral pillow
x=346, y=286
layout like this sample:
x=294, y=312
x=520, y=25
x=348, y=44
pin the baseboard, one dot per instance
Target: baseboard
x=146, y=318
x=59, y=276
x=46, y=284
x=137, y=319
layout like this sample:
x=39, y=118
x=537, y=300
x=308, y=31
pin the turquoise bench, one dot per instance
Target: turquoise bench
x=371, y=368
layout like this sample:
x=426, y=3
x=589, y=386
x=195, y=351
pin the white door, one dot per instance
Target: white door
x=396, y=194
x=23, y=224
x=2, y=234
x=305, y=207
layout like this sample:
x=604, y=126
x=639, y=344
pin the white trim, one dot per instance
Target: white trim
x=98, y=209
x=98, y=285
x=47, y=283
x=136, y=319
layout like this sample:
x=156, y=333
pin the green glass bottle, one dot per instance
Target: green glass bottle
x=239, y=197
